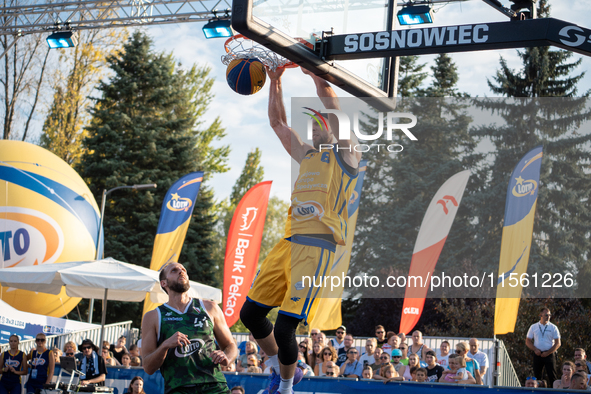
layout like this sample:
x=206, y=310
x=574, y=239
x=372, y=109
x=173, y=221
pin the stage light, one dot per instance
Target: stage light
x=415, y=15
x=62, y=39
x=218, y=28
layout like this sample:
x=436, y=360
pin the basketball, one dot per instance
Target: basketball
x=246, y=76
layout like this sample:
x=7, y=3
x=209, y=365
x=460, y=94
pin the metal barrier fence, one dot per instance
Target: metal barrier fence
x=506, y=373
x=112, y=333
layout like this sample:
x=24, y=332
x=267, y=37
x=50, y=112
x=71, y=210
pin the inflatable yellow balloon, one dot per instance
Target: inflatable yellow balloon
x=47, y=215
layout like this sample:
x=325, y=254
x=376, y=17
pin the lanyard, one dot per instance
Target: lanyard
x=545, y=328
x=38, y=358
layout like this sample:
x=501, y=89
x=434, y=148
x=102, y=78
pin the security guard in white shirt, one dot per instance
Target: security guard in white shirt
x=543, y=338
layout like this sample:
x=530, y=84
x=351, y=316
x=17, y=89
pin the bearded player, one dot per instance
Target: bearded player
x=179, y=338
x=316, y=224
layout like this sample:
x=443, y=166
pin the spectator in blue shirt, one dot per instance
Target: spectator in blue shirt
x=352, y=368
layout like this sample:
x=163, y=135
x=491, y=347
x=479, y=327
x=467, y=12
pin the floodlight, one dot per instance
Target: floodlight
x=62, y=39
x=415, y=15
x=218, y=28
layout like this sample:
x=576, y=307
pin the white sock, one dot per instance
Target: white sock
x=285, y=386
x=273, y=362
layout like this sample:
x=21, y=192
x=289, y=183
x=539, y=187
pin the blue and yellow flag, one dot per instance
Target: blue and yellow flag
x=520, y=208
x=175, y=216
x=330, y=303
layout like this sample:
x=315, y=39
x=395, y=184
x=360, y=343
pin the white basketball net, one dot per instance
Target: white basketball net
x=240, y=47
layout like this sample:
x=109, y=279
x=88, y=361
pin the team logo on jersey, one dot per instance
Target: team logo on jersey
x=12, y=363
x=306, y=210
x=186, y=351
x=299, y=285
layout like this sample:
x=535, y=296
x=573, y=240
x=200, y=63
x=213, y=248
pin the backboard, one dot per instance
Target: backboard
x=277, y=23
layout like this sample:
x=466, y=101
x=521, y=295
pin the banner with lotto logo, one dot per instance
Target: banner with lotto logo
x=47, y=215
x=242, y=248
x=175, y=217
x=518, y=227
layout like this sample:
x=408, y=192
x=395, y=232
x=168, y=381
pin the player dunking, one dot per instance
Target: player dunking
x=317, y=222
x=179, y=338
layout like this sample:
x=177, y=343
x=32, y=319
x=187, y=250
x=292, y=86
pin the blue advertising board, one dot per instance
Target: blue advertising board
x=119, y=379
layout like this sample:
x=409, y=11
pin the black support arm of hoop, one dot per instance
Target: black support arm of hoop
x=464, y=38
x=257, y=30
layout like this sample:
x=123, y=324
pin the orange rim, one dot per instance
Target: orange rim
x=286, y=65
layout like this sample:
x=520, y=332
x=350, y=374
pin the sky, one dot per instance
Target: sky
x=245, y=117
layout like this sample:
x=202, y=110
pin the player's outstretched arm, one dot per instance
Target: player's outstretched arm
x=223, y=336
x=330, y=100
x=152, y=354
x=290, y=140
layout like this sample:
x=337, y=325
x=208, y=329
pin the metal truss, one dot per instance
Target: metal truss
x=263, y=8
x=21, y=19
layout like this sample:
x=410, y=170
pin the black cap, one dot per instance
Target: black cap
x=88, y=342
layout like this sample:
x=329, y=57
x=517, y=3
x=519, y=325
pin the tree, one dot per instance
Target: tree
x=411, y=76
x=563, y=218
x=252, y=173
x=63, y=130
x=22, y=78
x=397, y=190
x=400, y=186
x=147, y=128
x=545, y=72
x=445, y=78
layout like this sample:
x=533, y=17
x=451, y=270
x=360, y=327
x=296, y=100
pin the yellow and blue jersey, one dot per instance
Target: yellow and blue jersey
x=321, y=195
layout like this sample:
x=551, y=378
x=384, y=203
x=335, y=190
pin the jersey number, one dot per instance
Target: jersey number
x=325, y=157
x=200, y=323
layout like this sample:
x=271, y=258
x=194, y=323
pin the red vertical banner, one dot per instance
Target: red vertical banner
x=432, y=235
x=242, y=248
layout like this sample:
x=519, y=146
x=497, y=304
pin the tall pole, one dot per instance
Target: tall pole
x=391, y=64
x=100, y=235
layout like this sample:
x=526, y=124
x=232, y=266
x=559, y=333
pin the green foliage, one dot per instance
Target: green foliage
x=252, y=173
x=147, y=127
x=445, y=78
x=545, y=72
x=410, y=76
x=562, y=233
x=63, y=129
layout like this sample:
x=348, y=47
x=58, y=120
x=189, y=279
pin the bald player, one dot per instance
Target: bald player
x=179, y=338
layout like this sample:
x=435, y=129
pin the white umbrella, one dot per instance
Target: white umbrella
x=108, y=279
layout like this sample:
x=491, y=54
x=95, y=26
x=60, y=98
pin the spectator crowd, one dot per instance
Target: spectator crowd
x=39, y=364
x=390, y=357
x=387, y=357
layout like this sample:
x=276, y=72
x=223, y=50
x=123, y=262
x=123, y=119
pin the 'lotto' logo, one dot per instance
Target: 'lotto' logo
x=28, y=237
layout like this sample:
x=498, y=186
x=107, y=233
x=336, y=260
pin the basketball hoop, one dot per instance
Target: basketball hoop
x=240, y=47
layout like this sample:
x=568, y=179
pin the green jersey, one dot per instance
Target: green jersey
x=192, y=364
